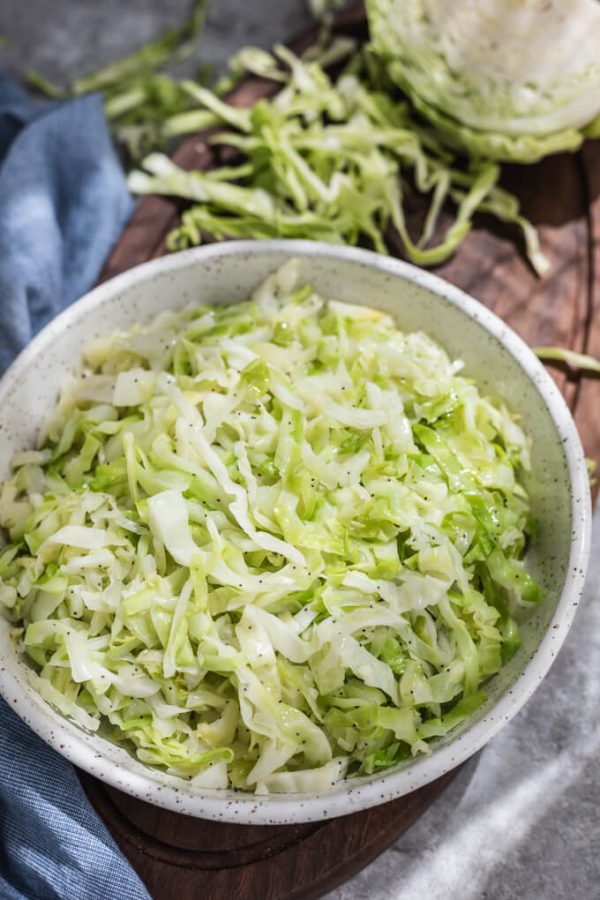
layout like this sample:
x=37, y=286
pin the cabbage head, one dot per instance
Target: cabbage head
x=509, y=80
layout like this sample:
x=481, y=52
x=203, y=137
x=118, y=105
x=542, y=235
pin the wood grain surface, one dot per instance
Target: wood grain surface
x=177, y=856
x=184, y=858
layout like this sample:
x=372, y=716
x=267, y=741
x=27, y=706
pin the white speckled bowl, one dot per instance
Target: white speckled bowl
x=494, y=356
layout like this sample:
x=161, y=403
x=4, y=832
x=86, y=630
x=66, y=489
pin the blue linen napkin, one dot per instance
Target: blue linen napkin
x=63, y=203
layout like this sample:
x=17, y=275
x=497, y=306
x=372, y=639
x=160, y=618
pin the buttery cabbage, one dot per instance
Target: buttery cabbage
x=500, y=79
x=268, y=545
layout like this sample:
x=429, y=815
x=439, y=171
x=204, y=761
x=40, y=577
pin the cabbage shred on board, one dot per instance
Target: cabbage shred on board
x=329, y=158
x=269, y=545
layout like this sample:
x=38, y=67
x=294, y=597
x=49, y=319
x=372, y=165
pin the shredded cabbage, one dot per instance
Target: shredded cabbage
x=143, y=104
x=320, y=8
x=269, y=545
x=573, y=359
x=332, y=159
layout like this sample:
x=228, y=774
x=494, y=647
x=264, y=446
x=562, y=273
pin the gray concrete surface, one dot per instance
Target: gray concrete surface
x=65, y=38
x=523, y=819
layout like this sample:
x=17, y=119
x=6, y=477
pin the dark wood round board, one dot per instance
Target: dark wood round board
x=178, y=856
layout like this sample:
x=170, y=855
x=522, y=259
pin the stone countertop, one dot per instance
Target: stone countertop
x=65, y=38
x=522, y=819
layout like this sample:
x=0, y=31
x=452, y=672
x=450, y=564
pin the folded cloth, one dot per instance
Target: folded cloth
x=63, y=202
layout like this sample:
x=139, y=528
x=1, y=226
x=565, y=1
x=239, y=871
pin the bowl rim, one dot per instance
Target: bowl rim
x=246, y=808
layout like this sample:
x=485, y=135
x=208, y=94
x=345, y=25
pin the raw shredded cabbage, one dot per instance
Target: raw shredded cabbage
x=143, y=104
x=332, y=159
x=269, y=545
x=573, y=359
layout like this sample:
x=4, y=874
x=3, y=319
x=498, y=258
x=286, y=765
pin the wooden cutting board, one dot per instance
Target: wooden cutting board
x=182, y=857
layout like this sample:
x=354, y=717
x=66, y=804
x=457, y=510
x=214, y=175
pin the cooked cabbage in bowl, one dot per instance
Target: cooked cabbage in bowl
x=271, y=544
